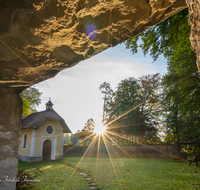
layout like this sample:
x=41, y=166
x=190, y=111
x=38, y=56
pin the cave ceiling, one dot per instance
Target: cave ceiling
x=39, y=38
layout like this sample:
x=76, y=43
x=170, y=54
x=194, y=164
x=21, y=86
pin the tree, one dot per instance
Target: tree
x=73, y=139
x=66, y=138
x=87, y=130
x=89, y=126
x=126, y=97
x=181, y=84
x=31, y=99
x=106, y=89
x=139, y=97
x=169, y=38
x=151, y=109
x=182, y=111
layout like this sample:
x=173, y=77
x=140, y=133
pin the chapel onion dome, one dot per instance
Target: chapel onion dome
x=49, y=105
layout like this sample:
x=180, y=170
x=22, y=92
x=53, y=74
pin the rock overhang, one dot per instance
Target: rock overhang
x=40, y=38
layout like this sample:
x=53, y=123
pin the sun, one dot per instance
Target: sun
x=99, y=129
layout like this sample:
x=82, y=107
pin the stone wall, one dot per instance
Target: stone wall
x=30, y=159
x=135, y=151
x=10, y=123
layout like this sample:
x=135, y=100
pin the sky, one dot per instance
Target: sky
x=75, y=91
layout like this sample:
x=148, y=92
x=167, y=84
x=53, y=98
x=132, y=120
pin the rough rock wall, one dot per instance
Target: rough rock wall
x=194, y=21
x=39, y=38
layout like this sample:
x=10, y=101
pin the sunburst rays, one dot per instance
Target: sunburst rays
x=127, y=112
x=98, y=147
x=116, y=134
x=108, y=151
x=79, y=142
x=82, y=158
x=112, y=153
x=106, y=142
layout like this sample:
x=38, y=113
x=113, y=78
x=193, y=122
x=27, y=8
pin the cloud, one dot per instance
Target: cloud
x=116, y=61
x=44, y=85
x=100, y=65
x=75, y=91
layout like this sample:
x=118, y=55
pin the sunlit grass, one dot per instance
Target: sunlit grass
x=82, y=158
x=151, y=174
x=142, y=173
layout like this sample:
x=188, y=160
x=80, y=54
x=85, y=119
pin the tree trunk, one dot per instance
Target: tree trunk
x=10, y=123
x=176, y=126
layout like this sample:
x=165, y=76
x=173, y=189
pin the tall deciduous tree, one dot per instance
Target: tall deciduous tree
x=151, y=109
x=126, y=97
x=31, y=99
x=181, y=83
x=140, y=97
x=106, y=89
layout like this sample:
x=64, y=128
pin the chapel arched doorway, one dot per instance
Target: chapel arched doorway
x=46, y=153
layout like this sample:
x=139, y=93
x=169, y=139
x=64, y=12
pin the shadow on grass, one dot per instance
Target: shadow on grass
x=134, y=173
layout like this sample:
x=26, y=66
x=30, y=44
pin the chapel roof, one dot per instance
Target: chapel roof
x=34, y=120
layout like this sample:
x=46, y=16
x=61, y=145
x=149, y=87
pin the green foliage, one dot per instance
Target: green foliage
x=134, y=107
x=89, y=126
x=106, y=89
x=125, y=97
x=31, y=99
x=169, y=38
x=66, y=139
x=181, y=84
x=87, y=130
x=73, y=139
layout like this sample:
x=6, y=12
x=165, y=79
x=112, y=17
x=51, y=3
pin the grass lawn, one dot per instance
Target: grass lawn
x=133, y=174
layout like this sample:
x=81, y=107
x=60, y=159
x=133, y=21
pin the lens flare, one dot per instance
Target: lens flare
x=99, y=129
x=51, y=19
x=91, y=31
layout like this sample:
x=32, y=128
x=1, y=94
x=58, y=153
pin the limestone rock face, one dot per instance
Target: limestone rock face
x=194, y=21
x=39, y=38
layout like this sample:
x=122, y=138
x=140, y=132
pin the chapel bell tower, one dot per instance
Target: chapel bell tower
x=49, y=105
